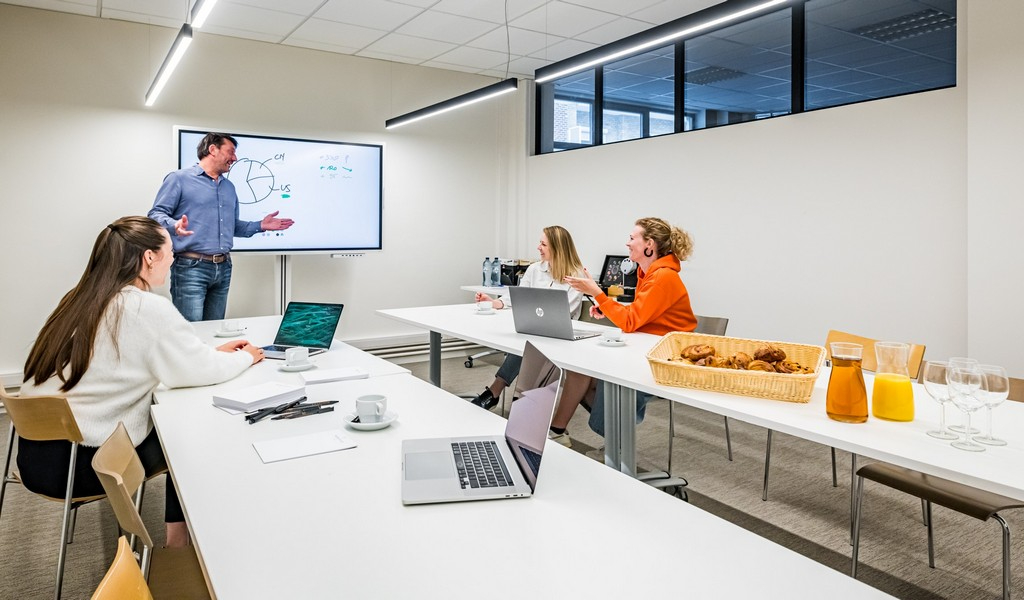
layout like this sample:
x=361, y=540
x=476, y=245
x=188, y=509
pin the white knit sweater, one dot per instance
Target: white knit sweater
x=155, y=344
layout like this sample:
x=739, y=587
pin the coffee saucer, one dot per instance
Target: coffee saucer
x=296, y=368
x=389, y=418
x=235, y=333
x=612, y=344
x=486, y=312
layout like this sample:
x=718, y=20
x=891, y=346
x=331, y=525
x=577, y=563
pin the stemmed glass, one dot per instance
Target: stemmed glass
x=936, y=386
x=967, y=388
x=963, y=362
x=998, y=388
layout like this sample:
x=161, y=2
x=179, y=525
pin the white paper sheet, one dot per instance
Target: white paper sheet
x=306, y=444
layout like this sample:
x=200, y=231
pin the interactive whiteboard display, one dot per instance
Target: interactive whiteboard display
x=332, y=190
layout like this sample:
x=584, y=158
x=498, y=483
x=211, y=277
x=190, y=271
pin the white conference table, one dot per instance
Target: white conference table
x=905, y=444
x=333, y=525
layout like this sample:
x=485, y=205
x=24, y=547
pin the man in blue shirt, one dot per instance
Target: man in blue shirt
x=199, y=208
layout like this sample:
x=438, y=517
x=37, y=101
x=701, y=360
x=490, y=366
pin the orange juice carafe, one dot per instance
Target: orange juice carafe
x=892, y=397
x=847, y=398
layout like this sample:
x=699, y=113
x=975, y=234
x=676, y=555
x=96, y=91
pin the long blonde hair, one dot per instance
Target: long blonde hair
x=667, y=239
x=564, y=261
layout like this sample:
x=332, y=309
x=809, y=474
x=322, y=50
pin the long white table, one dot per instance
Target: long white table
x=333, y=525
x=998, y=469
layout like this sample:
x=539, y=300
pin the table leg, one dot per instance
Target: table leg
x=611, y=425
x=620, y=428
x=435, y=358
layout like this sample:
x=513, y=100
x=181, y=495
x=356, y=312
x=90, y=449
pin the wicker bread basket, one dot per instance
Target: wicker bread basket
x=790, y=387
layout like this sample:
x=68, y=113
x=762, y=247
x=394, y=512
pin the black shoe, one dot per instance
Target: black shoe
x=485, y=400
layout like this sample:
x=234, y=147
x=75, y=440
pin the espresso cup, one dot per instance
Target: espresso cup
x=296, y=357
x=612, y=335
x=371, y=408
x=231, y=325
x=484, y=306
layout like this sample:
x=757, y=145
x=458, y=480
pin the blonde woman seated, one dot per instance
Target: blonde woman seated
x=558, y=260
x=107, y=346
x=661, y=305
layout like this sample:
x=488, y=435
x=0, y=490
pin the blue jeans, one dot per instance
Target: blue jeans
x=597, y=410
x=509, y=368
x=199, y=290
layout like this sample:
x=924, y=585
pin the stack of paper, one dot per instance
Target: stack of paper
x=306, y=444
x=339, y=374
x=259, y=396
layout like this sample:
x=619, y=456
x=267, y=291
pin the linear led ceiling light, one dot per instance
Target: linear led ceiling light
x=484, y=93
x=178, y=49
x=649, y=39
x=200, y=11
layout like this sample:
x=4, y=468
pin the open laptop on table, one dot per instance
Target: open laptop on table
x=544, y=311
x=305, y=324
x=489, y=467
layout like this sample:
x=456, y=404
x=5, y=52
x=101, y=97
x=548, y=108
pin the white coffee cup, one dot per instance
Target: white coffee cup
x=612, y=335
x=371, y=408
x=231, y=325
x=296, y=357
x=484, y=306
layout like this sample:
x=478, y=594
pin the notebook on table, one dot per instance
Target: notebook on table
x=544, y=311
x=305, y=324
x=488, y=467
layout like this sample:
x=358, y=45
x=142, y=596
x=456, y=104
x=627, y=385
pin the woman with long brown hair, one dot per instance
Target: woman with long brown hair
x=106, y=347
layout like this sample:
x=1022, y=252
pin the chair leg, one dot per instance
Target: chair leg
x=767, y=464
x=856, y=523
x=728, y=439
x=931, y=536
x=925, y=518
x=1006, y=556
x=835, y=480
x=66, y=521
x=74, y=522
x=853, y=479
x=7, y=466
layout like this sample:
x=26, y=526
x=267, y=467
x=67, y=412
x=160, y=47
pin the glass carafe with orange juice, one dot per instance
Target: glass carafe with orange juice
x=892, y=397
x=847, y=398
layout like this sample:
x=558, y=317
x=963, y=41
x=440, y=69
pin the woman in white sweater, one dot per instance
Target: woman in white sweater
x=107, y=346
x=558, y=260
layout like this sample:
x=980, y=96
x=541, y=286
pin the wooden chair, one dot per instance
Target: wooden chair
x=46, y=418
x=962, y=498
x=665, y=479
x=868, y=363
x=124, y=579
x=171, y=572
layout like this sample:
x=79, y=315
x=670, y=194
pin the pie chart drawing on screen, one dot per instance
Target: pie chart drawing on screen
x=254, y=181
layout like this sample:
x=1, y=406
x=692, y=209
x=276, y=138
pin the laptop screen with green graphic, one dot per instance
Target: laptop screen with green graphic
x=306, y=325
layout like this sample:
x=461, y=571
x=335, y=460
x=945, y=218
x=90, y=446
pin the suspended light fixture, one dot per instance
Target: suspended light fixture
x=484, y=93
x=201, y=11
x=178, y=48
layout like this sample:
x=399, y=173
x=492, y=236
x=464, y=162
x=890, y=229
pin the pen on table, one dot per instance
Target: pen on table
x=296, y=415
x=310, y=406
x=252, y=419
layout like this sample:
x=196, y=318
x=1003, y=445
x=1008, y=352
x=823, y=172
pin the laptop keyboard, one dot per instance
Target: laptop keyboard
x=276, y=348
x=480, y=465
x=532, y=459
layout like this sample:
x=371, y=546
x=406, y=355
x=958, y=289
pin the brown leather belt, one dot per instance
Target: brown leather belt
x=211, y=258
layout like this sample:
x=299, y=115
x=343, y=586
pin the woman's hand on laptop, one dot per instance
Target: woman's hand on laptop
x=243, y=345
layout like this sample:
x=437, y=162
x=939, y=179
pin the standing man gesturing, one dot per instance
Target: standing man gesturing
x=199, y=208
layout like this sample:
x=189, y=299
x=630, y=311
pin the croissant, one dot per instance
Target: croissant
x=718, y=361
x=698, y=351
x=760, y=365
x=741, y=359
x=770, y=353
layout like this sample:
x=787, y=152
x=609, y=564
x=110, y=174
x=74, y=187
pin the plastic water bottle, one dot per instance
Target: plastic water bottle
x=487, y=272
x=496, y=272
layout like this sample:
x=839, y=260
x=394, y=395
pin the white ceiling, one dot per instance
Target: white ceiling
x=461, y=35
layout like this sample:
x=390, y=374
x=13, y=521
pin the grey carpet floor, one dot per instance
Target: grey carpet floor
x=804, y=512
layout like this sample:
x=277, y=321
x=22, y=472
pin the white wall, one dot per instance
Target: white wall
x=81, y=150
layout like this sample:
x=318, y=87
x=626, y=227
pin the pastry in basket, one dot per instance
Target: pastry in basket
x=697, y=352
x=720, y=362
x=741, y=360
x=790, y=366
x=760, y=365
x=770, y=353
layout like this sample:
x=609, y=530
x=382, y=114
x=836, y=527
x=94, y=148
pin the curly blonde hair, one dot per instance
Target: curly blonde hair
x=667, y=239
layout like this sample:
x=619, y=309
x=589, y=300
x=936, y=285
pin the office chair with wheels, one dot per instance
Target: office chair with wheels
x=505, y=281
x=171, y=572
x=124, y=579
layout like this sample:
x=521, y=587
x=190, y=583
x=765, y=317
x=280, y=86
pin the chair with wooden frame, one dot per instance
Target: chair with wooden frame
x=664, y=479
x=46, y=418
x=171, y=572
x=956, y=496
x=868, y=363
x=124, y=579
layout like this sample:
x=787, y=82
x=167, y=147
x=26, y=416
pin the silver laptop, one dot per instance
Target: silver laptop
x=544, y=311
x=305, y=324
x=489, y=467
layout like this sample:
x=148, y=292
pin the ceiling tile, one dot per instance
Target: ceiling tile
x=446, y=28
x=409, y=47
x=670, y=10
x=331, y=33
x=227, y=18
x=144, y=10
x=122, y=15
x=388, y=57
x=336, y=48
x=617, y=7
x=473, y=57
x=298, y=7
x=380, y=14
x=563, y=50
x=613, y=31
x=419, y=3
x=78, y=7
x=522, y=41
x=559, y=18
x=487, y=10
x=450, y=67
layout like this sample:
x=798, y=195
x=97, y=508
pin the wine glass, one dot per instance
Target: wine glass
x=998, y=388
x=967, y=387
x=936, y=386
x=963, y=361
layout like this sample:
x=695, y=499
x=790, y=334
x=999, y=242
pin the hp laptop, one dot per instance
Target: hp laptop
x=307, y=324
x=544, y=311
x=490, y=467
